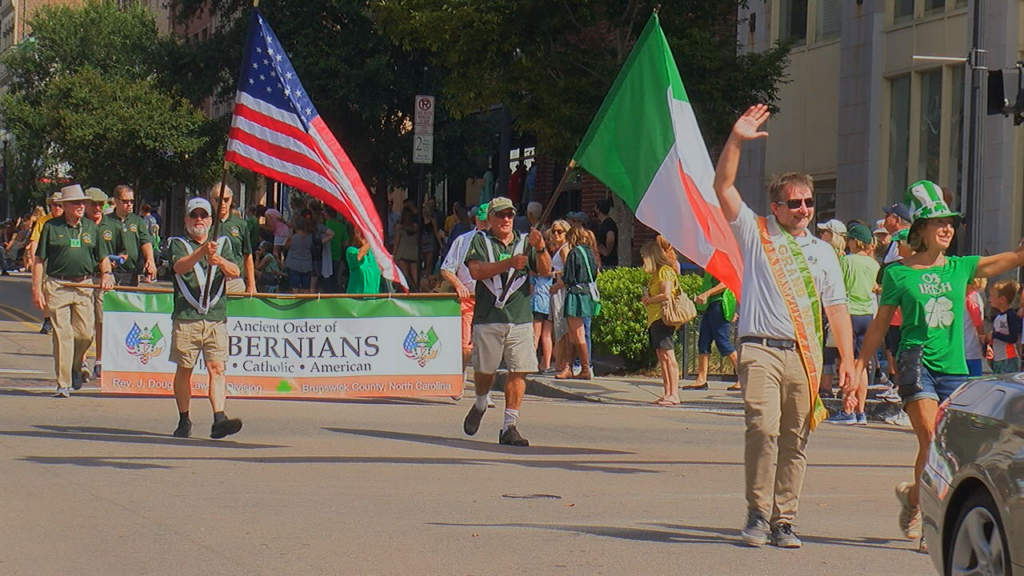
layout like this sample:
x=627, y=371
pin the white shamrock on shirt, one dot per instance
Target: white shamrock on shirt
x=939, y=312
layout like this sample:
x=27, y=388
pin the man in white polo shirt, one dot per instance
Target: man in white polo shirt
x=788, y=277
x=455, y=271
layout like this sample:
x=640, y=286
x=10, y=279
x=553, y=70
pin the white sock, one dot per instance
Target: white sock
x=511, y=417
x=481, y=402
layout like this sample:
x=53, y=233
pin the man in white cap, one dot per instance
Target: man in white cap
x=56, y=211
x=70, y=252
x=199, y=319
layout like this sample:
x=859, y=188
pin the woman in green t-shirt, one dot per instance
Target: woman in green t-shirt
x=929, y=289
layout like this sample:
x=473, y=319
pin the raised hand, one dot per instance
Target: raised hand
x=747, y=127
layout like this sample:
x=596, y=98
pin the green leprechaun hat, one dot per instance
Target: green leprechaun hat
x=924, y=198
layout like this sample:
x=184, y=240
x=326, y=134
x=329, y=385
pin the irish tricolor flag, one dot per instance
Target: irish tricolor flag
x=646, y=147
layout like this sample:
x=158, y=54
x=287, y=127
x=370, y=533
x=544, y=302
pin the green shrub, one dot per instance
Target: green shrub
x=621, y=329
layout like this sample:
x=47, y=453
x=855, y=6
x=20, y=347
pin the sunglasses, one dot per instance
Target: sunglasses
x=126, y=201
x=509, y=215
x=557, y=231
x=202, y=216
x=795, y=204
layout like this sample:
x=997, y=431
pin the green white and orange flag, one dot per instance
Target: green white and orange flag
x=646, y=147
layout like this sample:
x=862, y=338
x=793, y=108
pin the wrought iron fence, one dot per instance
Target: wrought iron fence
x=686, y=352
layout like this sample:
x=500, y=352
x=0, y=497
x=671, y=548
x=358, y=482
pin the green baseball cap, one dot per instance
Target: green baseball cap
x=500, y=204
x=858, y=231
x=901, y=235
x=924, y=198
x=96, y=195
x=481, y=212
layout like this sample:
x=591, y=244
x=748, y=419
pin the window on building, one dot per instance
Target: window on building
x=899, y=136
x=825, y=200
x=934, y=6
x=903, y=11
x=930, y=151
x=793, y=19
x=830, y=19
x=956, y=126
x=960, y=4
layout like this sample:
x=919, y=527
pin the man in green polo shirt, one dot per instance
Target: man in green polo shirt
x=237, y=231
x=110, y=238
x=199, y=320
x=499, y=260
x=69, y=252
x=138, y=242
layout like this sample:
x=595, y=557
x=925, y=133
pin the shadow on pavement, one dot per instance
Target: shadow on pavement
x=94, y=462
x=144, y=462
x=128, y=437
x=479, y=446
x=681, y=534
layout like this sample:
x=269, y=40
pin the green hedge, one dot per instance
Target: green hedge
x=621, y=329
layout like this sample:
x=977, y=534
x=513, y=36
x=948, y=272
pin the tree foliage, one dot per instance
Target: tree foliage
x=553, y=61
x=91, y=99
x=362, y=83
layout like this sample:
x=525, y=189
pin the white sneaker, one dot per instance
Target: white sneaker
x=900, y=419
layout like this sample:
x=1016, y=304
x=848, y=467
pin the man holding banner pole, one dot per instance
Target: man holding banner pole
x=503, y=316
x=788, y=277
x=200, y=320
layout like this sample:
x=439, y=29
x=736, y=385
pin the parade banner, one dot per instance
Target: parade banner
x=294, y=348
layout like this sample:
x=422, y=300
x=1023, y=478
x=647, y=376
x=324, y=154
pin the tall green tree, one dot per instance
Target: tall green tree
x=91, y=99
x=553, y=61
x=361, y=82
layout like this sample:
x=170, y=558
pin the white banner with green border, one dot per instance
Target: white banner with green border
x=292, y=348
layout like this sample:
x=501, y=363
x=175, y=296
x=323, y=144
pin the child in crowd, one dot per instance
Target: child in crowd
x=1006, y=327
x=975, y=339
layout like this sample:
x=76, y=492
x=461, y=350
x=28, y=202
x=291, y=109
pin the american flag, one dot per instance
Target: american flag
x=276, y=131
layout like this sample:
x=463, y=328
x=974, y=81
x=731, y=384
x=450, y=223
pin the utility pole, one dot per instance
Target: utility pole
x=972, y=201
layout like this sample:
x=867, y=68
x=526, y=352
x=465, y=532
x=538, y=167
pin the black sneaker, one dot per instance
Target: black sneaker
x=225, y=427
x=76, y=380
x=47, y=327
x=512, y=437
x=472, y=422
x=783, y=536
x=756, y=532
x=184, y=429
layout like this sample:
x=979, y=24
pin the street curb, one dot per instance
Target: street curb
x=543, y=389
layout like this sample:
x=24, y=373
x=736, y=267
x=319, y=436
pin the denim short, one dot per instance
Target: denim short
x=714, y=326
x=936, y=386
x=299, y=279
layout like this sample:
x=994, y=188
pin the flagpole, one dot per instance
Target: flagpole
x=213, y=234
x=544, y=216
x=557, y=192
x=216, y=218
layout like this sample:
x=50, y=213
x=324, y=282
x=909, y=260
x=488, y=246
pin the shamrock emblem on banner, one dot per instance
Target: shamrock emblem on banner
x=939, y=312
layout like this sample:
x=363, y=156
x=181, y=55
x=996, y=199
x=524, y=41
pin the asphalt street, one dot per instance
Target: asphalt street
x=97, y=485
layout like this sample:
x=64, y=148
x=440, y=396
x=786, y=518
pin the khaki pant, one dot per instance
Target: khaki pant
x=235, y=286
x=72, y=316
x=777, y=406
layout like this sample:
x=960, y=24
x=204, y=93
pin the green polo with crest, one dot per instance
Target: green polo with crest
x=237, y=231
x=183, y=310
x=110, y=236
x=134, y=234
x=70, y=251
x=518, y=308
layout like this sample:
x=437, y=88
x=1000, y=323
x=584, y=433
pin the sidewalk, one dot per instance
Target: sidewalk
x=639, y=391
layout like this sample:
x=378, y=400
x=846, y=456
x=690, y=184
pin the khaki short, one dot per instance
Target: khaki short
x=190, y=337
x=235, y=286
x=511, y=342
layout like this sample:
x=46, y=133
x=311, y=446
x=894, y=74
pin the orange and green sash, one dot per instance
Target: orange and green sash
x=793, y=277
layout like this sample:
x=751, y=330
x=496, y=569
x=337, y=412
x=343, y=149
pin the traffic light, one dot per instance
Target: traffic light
x=997, y=101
